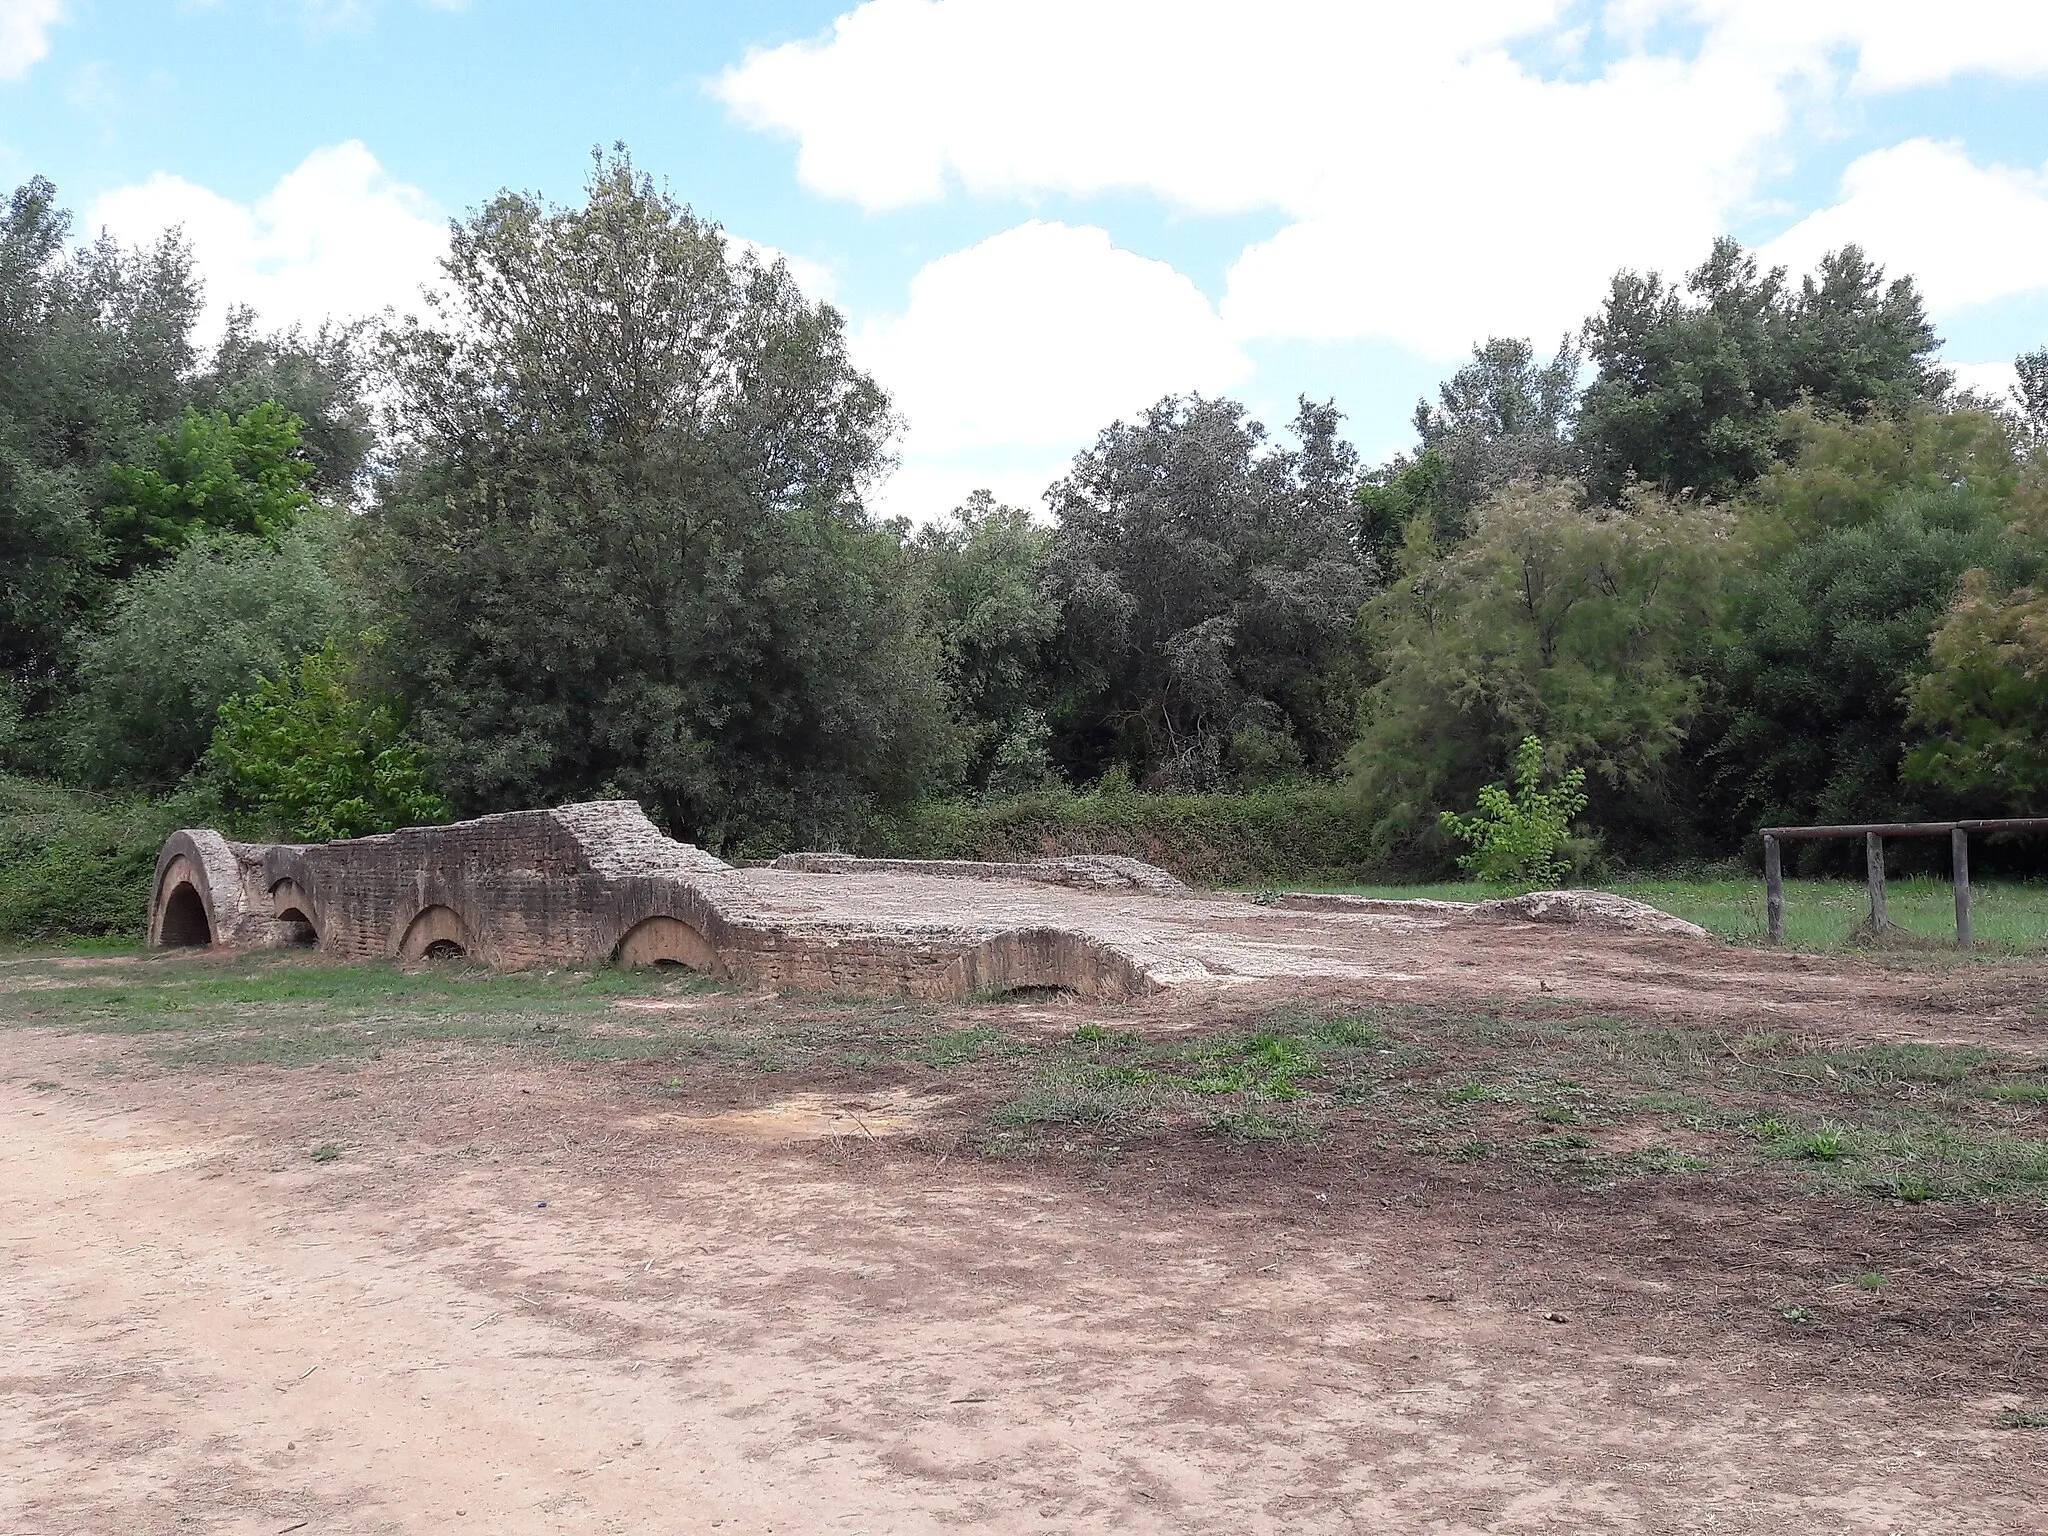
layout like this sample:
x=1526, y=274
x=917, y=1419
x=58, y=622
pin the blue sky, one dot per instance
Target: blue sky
x=1040, y=214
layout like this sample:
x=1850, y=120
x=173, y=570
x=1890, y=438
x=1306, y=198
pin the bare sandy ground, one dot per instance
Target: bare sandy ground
x=538, y=1300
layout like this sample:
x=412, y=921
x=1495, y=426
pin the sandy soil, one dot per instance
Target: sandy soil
x=546, y=1299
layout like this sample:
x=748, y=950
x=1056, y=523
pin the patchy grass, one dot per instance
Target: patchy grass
x=1540, y=1089
x=2008, y=917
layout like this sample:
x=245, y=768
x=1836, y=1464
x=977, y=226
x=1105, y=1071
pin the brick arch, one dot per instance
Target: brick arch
x=1045, y=957
x=182, y=922
x=436, y=932
x=667, y=941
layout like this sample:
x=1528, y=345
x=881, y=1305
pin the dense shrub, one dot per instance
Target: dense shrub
x=1301, y=834
x=77, y=865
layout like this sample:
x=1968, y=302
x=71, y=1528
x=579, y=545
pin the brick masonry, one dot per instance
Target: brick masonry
x=598, y=883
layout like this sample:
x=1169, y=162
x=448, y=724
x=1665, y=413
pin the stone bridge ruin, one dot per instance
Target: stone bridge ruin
x=598, y=883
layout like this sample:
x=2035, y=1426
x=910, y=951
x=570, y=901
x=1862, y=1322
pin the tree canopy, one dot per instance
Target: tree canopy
x=1209, y=581
x=624, y=538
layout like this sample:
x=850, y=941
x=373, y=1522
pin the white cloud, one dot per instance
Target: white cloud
x=1995, y=380
x=1435, y=189
x=1041, y=335
x=1891, y=44
x=1967, y=233
x=335, y=237
x=25, y=34
x=1014, y=352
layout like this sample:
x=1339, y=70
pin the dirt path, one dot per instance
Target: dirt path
x=743, y=1325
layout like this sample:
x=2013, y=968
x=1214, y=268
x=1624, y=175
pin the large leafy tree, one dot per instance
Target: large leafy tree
x=1554, y=619
x=1857, y=550
x=1693, y=377
x=95, y=346
x=315, y=753
x=1209, y=581
x=624, y=539
x=230, y=613
x=982, y=574
x=214, y=474
x=321, y=378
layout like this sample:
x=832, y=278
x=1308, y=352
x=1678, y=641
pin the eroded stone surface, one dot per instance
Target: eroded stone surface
x=590, y=884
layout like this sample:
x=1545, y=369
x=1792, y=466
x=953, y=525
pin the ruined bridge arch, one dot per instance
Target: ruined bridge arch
x=180, y=916
x=667, y=942
x=436, y=933
x=295, y=913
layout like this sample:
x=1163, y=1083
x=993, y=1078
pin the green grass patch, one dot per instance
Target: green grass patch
x=2006, y=916
x=2017, y=1093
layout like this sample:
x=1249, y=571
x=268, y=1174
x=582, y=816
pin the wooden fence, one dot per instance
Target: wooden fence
x=1873, y=835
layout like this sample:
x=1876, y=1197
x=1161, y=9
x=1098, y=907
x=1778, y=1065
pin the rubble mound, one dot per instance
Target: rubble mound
x=1593, y=909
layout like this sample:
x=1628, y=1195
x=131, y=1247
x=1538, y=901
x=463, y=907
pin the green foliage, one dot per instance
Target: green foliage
x=1519, y=838
x=624, y=542
x=1856, y=552
x=1981, y=710
x=226, y=615
x=1304, y=833
x=94, y=350
x=309, y=753
x=1692, y=380
x=321, y=378
x=215, y=474
x=75, y=865
x=1580, y=625
x=1209, y=582
x=981, y=573
x=1401, y=494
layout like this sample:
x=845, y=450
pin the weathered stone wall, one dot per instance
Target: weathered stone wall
x=587, y=884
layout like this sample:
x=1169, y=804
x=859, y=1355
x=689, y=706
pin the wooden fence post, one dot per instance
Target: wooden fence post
x=1873, y=863
x=1959, y=859
x=1774, y=889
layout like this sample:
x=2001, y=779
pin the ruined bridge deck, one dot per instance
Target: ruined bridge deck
x=597, y=883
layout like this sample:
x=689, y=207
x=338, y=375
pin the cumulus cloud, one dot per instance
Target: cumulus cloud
x=1041, y=335
x=1994, y=381
x=337, y=237
x=25, y=34
x=1889, y=45
x=1968, y=234
x=1437, y=186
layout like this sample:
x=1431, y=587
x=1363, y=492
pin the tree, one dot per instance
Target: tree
x=1576, y=624
x=1502, y=417
x=308, y=752
x=982, y=575
x=624, y=545
x=322, y=379
x=1691, y=381
x=228, y=614
x=215, y=474
x=2030, y=395
x=1209, y=583
x=1856, y=553
x=1981, y=709
x=94, y=349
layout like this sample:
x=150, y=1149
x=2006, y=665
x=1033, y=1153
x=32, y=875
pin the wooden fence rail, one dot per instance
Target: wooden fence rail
x=1873, y=835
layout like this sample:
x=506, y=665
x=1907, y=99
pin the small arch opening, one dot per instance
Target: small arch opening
x=185, y=925
x=437, y=933
x=666, y=944
x=299, y=931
